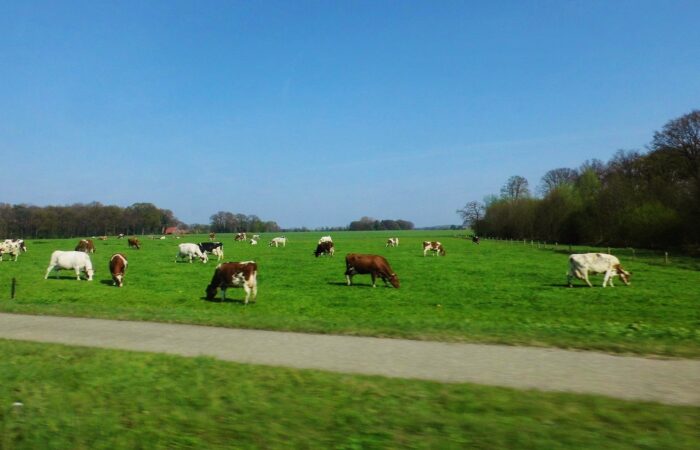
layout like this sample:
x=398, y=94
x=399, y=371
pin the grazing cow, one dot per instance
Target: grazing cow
x=86, y=246
x=120, y=236
x=102, y=238
x=253, y=242
x=240, y=237
x=162, y=238
x=433, y=246
x=475, y=239
x=234, y=274
x=189, y=251
x=375, y=265
x=134, y=243
x=212, y=236
x=215, y=248
x=392, y=242
x=18, y=242
x=78, y=261
x=581, y=264
x=10, y=247
x=117, y=267
x=278, y=241
x=324, y=248
x=325, y=239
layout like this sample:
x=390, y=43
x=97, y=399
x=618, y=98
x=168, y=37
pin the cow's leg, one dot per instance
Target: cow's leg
x=569, y=277
x=374, y=279
x=585, y=278
x=48, y=271
x=77, y=273
x=254, y=289
x=223, y=294
x=246, y=288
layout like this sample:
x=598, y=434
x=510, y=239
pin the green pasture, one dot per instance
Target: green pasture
x=56, y=397
x=498, y=292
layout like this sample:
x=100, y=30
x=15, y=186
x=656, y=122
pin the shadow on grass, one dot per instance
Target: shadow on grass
x=228, y=300
x=109, y=282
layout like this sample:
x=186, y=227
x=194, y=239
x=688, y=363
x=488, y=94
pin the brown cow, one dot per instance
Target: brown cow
x=134, y=243
x=375, y=265
x=117, y=267
x=324, y=248
x=212, y=236
x=234, y=274
x=433, y=246
x=86, y=246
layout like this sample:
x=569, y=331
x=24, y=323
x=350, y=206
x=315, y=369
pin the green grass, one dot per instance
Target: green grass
x=496, y=292
x=79, y=398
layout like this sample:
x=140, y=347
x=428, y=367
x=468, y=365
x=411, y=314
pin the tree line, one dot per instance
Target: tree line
x=369, y=224
x=647, y=199
x=96, y=219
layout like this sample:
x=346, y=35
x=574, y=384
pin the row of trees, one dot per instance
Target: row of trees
x=27, y=221
x=649, y=199
x=370, y=224
x=227, y=222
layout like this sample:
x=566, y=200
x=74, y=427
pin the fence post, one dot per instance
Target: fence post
x=13, y=288
x=666, y=257
x=634, y=255
x=609, y=252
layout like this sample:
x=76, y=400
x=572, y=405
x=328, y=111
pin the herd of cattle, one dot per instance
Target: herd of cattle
x=244, y=273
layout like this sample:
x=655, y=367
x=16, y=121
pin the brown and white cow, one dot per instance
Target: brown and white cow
x=392, y=242
x=86, y=246
x=134, y=243
x=375, y=265
x=212, y=236
x=234, y=274
x=117, y=267
x=324, y=248
x=433, y=246
x=102, y=238
x=582, y=264
x=240, y=237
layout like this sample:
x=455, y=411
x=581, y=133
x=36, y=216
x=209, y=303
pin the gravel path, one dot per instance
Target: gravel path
x=665, y=381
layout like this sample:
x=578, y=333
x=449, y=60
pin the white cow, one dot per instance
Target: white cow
x=581, y=264
x=189, y=251
x=78, y=261
x=392, y=242
x=10, y=247
x=19, y=242
x=325, y=239
x=279, y=241
x=253, y=242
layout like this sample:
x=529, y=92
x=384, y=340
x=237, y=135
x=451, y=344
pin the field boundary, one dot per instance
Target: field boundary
x=675, y=381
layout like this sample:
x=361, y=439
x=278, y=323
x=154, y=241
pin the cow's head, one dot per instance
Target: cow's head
x=394, y=280
x=624, y=275
x=89, y=273
x=210, y=291
x=441, y=250
x=204, y=257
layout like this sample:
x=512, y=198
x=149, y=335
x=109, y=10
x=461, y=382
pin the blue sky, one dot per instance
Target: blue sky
x=317, y=113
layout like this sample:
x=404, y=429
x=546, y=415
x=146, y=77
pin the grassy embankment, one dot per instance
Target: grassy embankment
x=81, y=398
x=495, y=292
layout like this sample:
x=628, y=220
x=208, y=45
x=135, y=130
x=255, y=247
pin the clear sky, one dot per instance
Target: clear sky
x=315, y=113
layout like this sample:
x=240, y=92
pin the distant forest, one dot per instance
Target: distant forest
x=645, y=199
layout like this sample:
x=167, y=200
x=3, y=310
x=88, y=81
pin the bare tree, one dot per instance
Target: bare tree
x=471, y=213
x=555, y=178
x=682, y=136
x=516, y=187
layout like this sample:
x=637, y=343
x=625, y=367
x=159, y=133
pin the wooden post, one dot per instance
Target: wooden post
x=13, y=288
x=666, y=257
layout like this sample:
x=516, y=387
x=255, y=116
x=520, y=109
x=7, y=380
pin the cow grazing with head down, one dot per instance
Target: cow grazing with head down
x=324, y=248
x=234, y=274
x=278, y=241
x=240, y=237
x=475, y=238
x=375, y=265
x=392, y=242
x=582, y=264
x=433, y=246
x=77, y=261
x=11, y=248
x=85, y=245
x=117, y=267
x=215, y=248
x=190, y=251
x=134, y=243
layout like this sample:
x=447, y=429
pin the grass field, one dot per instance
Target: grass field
x=82, y=398
x=495, y=292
